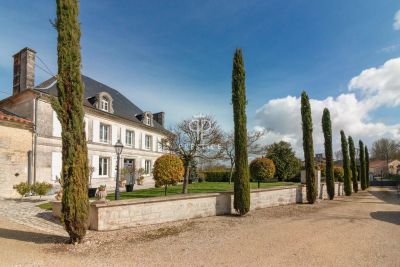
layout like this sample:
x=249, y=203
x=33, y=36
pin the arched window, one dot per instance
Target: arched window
x=105, y=104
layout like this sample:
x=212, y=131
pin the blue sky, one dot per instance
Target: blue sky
x=176, y=56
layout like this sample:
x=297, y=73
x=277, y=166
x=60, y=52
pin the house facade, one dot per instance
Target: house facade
x=379, y=167
x=109, y=117
x=16, y=136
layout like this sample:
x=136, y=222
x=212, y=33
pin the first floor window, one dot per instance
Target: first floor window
x=103, y=166
x=148, y=141
x=104, y=133
x=129, y=138
x=147, y=166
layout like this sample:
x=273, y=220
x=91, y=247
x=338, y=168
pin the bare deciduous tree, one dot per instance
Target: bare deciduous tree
x=197, y=138
x=385, y=149
x=253, y=148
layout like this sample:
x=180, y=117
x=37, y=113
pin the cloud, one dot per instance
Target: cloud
x=396, y=23
x=371, y=89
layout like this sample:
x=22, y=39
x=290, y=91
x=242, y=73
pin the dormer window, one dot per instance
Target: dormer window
x=104, y=104
x=148, y=121
x=147, y=118
x=103, y=101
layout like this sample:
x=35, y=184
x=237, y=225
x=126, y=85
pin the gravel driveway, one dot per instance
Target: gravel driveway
x=361, y=230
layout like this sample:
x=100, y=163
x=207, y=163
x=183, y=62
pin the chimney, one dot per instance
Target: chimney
x=159, y=117
x=24, y=70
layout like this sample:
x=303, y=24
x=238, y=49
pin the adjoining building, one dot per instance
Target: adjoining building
x=16, y=136
x=109, y=116
x=383, y=167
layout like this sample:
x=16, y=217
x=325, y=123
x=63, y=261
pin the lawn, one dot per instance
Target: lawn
x=196, y=188
x=205, y=187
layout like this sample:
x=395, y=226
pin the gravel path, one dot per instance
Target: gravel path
x=361, y=230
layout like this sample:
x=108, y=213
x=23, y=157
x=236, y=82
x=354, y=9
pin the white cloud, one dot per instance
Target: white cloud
x=396, y=23
x=377, y=87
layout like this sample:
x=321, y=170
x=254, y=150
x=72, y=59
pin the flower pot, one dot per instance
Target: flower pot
x=129, y=187
x=101, y=195
x=92, y=192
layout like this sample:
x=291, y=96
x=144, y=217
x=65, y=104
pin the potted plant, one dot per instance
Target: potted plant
x=91, y=190
x=101, y=193
x=140, y=174
x=129, y=171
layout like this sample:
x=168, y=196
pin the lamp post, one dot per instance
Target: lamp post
x=118, y=150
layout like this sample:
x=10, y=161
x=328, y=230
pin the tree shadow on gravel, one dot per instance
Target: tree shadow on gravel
x=389, y=196
x=387, y=216
x=38, y=238
x=48, y=216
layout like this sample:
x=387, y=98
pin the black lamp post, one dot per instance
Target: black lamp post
x=118, y=149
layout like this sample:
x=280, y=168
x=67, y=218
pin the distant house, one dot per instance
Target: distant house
x=16, y=135
x=378, y=167
x=109, y=116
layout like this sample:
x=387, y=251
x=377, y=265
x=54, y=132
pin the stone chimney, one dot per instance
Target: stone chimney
x=159, y=117
x=24, y=70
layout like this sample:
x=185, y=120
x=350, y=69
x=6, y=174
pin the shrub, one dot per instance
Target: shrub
x=168, y=170
x=287, y=165
x=262, y=169
x=216, y=176
x=338, y=173
x=42, y=188
x=22, y=188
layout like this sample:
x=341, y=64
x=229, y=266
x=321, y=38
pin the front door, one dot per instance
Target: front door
x=129, y=175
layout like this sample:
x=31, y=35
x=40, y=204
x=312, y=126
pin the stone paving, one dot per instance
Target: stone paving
x=25, y=212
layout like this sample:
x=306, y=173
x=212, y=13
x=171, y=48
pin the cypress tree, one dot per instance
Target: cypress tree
x=242, y=177
x=346, y=165
x=362, y=166
x=69, y=109
x=367, y=166
x=327, y=129
x=353, y=164
x=308, y=148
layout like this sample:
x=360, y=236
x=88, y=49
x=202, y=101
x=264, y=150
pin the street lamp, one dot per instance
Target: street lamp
x=118, y=149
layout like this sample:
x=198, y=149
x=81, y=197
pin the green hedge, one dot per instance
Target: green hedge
x=216, y=176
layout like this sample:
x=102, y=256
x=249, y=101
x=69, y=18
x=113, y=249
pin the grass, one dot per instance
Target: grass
x=45, y=206
x=196, y=188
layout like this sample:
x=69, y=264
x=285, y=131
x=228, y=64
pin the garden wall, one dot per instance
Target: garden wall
x=129, y=213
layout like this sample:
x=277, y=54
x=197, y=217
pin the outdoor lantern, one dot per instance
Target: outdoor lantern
x=118, y=147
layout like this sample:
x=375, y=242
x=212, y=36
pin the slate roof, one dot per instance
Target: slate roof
x=122, y=106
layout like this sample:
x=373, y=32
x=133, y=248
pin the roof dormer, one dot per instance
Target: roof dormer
x=147, y=118
x=104, y=102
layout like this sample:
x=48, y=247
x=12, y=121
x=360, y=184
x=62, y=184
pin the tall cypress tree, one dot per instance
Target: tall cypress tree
x=346, y=165
x=242, y=177
x=362, y=166
x=69, y=109
x=353, y=164
x=367, y=166
x=327, y=129
x=308, y=148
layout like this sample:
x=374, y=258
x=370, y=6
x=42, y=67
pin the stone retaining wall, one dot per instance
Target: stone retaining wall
x=129, y=213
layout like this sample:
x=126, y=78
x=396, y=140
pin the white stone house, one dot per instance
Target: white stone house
x=109, y=116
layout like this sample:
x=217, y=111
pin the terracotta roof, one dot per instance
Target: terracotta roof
x=378, y=164
x=9, y=116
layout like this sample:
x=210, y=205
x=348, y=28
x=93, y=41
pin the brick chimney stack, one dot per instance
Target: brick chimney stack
x=24, y=70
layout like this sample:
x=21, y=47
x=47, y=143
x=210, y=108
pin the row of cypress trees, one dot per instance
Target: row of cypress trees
x=348, y=151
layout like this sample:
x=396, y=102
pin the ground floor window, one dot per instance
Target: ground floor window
x=147, y=166
x=103, y=166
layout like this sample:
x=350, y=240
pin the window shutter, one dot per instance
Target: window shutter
x=96, y=131
x=56, y=125
x=95, y=164
x=87, y=128
x=56, y=165
x=114, y=134
x=113, y=166
x=123, y=135
x=143, y=141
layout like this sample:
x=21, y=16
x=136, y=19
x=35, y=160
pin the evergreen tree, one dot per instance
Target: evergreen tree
x=242, y=177
x=308, y=148
x=327, y=129
x=367, y=166
x=69, y=109
x=362, y=166
x=346, y=165
x=353, y=164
